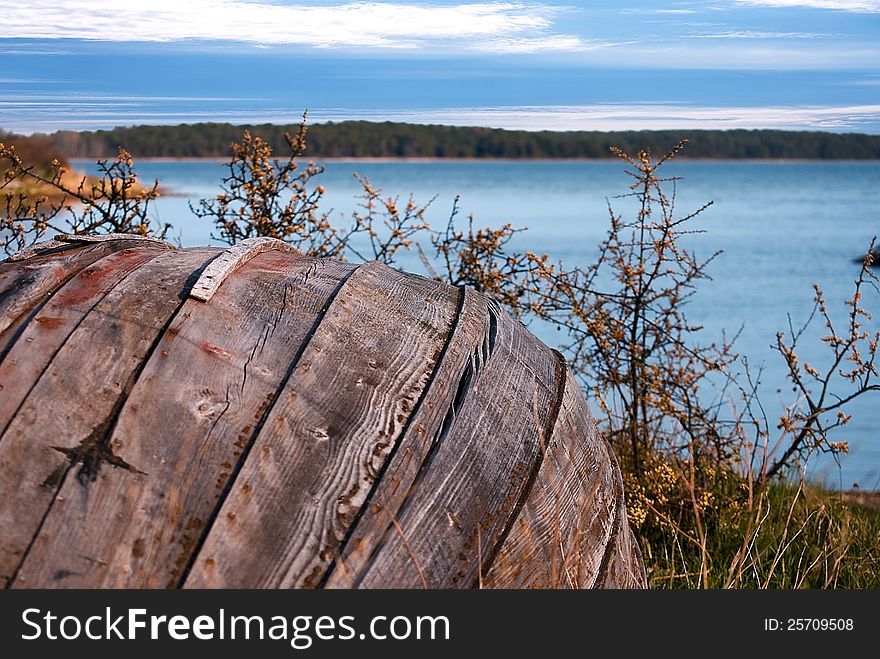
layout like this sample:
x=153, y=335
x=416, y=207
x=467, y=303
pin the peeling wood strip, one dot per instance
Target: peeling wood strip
x=87, y=378
x=230, y=261
x=45, y=333
x=108, y=237
x=206, y=387
x=35, y=249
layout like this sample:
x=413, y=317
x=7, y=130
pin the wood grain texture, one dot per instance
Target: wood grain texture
x=186, y=421
x=36, y=248
x=329, y=433
x=25, y=285
x=622, y=565
x=427, y=427
x=230, y=261
x=461, y=503
x=625, y=567
x=62, y=428
x=313, y=424
x=561, y=534
x=50, y=327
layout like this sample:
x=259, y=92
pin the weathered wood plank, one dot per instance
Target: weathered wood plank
x=622, y=565
x=471, y=484
x=560, y=536
x=624, y=568
x=24, y=286
x=329, y=433
x=47, y=331
x=87, y=382
x=230, y=261
x=35, y=249
x=424, y=431
x=185, y=424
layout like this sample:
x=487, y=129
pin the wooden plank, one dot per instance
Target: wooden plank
x=185, y=425
x=426, y=428
x=560, y=536
x=35, y=249
x=470, y=486
x=622, y=565
x=230, y=261
x=47, y=331
x=625, y=567
x=329, y=433
x=63, y=425
x=25, y=285
x=64, y=240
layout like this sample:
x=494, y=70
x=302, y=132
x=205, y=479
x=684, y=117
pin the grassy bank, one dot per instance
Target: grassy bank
x=790, y=535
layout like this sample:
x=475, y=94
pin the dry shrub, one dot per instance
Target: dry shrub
x=38, y=201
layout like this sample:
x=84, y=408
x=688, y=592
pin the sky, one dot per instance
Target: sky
x=601, y=65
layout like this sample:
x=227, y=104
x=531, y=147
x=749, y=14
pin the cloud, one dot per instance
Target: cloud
x=105, y=112
x=641, y=10
x=492, y=26
x=760, y=34
x=647, y=116
x=546, y=44
x=858, y=6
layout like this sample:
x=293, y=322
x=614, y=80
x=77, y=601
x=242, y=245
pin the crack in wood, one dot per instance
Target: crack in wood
x=187, y=566
x=93, y=451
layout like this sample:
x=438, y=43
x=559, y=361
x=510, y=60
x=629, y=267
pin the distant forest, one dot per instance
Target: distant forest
x=363, y=139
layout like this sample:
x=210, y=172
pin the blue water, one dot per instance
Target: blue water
x=782, y=227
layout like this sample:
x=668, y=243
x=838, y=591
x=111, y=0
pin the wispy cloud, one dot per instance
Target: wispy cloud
x=641, y=10
x=30, y=52
x=491, y=26
x=859, y=6
x=546, y=44
x=96, y=112
x=760, y=34
x=643, y=117
x=865, y=82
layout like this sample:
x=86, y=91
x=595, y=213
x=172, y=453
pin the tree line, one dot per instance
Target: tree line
x=364, y=139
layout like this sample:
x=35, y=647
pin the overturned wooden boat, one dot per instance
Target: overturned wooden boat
x=253, y=417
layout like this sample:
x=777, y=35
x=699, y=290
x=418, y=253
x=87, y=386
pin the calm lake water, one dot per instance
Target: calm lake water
x=782, y=227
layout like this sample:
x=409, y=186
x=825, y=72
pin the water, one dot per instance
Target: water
x=782, y=226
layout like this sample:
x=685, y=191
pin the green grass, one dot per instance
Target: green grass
x=791, y=536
